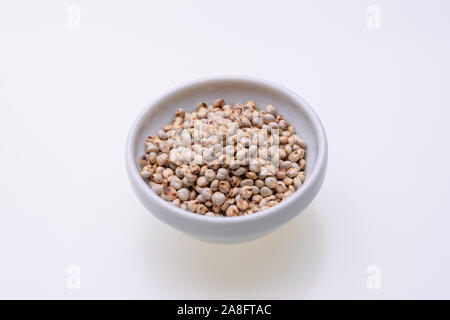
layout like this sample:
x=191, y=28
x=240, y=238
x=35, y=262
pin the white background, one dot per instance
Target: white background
x=68, y=97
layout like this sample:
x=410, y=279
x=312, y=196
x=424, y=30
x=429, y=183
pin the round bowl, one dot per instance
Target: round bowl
x=234, y=89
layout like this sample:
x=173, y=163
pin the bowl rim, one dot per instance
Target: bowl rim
x=321, y=162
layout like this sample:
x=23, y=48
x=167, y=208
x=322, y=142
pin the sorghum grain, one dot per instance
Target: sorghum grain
x=223, y=160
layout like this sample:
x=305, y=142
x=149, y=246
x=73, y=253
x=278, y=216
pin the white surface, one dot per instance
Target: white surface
x=68, y=98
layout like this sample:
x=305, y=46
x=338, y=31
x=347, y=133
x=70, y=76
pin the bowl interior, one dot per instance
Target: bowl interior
x=233, y=91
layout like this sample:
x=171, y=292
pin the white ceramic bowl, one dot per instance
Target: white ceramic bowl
x=234, y=89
